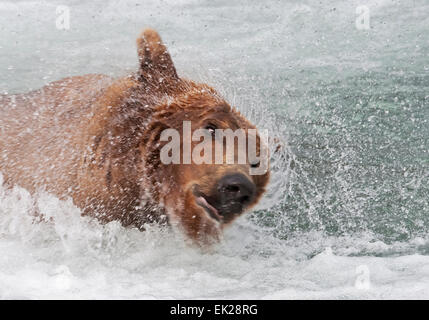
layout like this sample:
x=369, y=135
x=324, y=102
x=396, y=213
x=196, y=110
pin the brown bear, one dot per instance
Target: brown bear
x=97, y=140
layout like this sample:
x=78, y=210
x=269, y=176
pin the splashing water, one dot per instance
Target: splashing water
x=347, y=210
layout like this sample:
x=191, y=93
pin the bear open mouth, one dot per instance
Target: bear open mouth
x=201, y=200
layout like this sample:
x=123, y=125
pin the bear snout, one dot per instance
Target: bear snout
x=234, y=193
x=230, y=196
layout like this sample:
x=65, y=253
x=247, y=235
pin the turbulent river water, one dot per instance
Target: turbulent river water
x=343, y=84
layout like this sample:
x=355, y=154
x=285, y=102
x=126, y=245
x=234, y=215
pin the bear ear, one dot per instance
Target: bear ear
x=155, y=61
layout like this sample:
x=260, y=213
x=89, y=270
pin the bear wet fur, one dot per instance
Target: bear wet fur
x=97, y=140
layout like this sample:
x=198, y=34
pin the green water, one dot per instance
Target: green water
x=359, y=158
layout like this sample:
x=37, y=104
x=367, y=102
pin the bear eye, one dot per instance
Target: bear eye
x=211, y=128
x=255, y=164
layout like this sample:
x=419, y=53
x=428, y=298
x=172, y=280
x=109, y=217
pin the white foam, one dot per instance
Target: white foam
x=75, y=257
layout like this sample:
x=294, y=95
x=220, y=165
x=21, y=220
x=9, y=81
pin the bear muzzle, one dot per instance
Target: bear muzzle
x=230, y=197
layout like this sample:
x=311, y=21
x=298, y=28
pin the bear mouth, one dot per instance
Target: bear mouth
x=201, y=200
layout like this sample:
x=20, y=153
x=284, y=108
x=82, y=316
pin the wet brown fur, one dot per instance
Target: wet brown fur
x=96, y=139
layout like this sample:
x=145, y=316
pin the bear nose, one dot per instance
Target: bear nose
x=236, y=188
